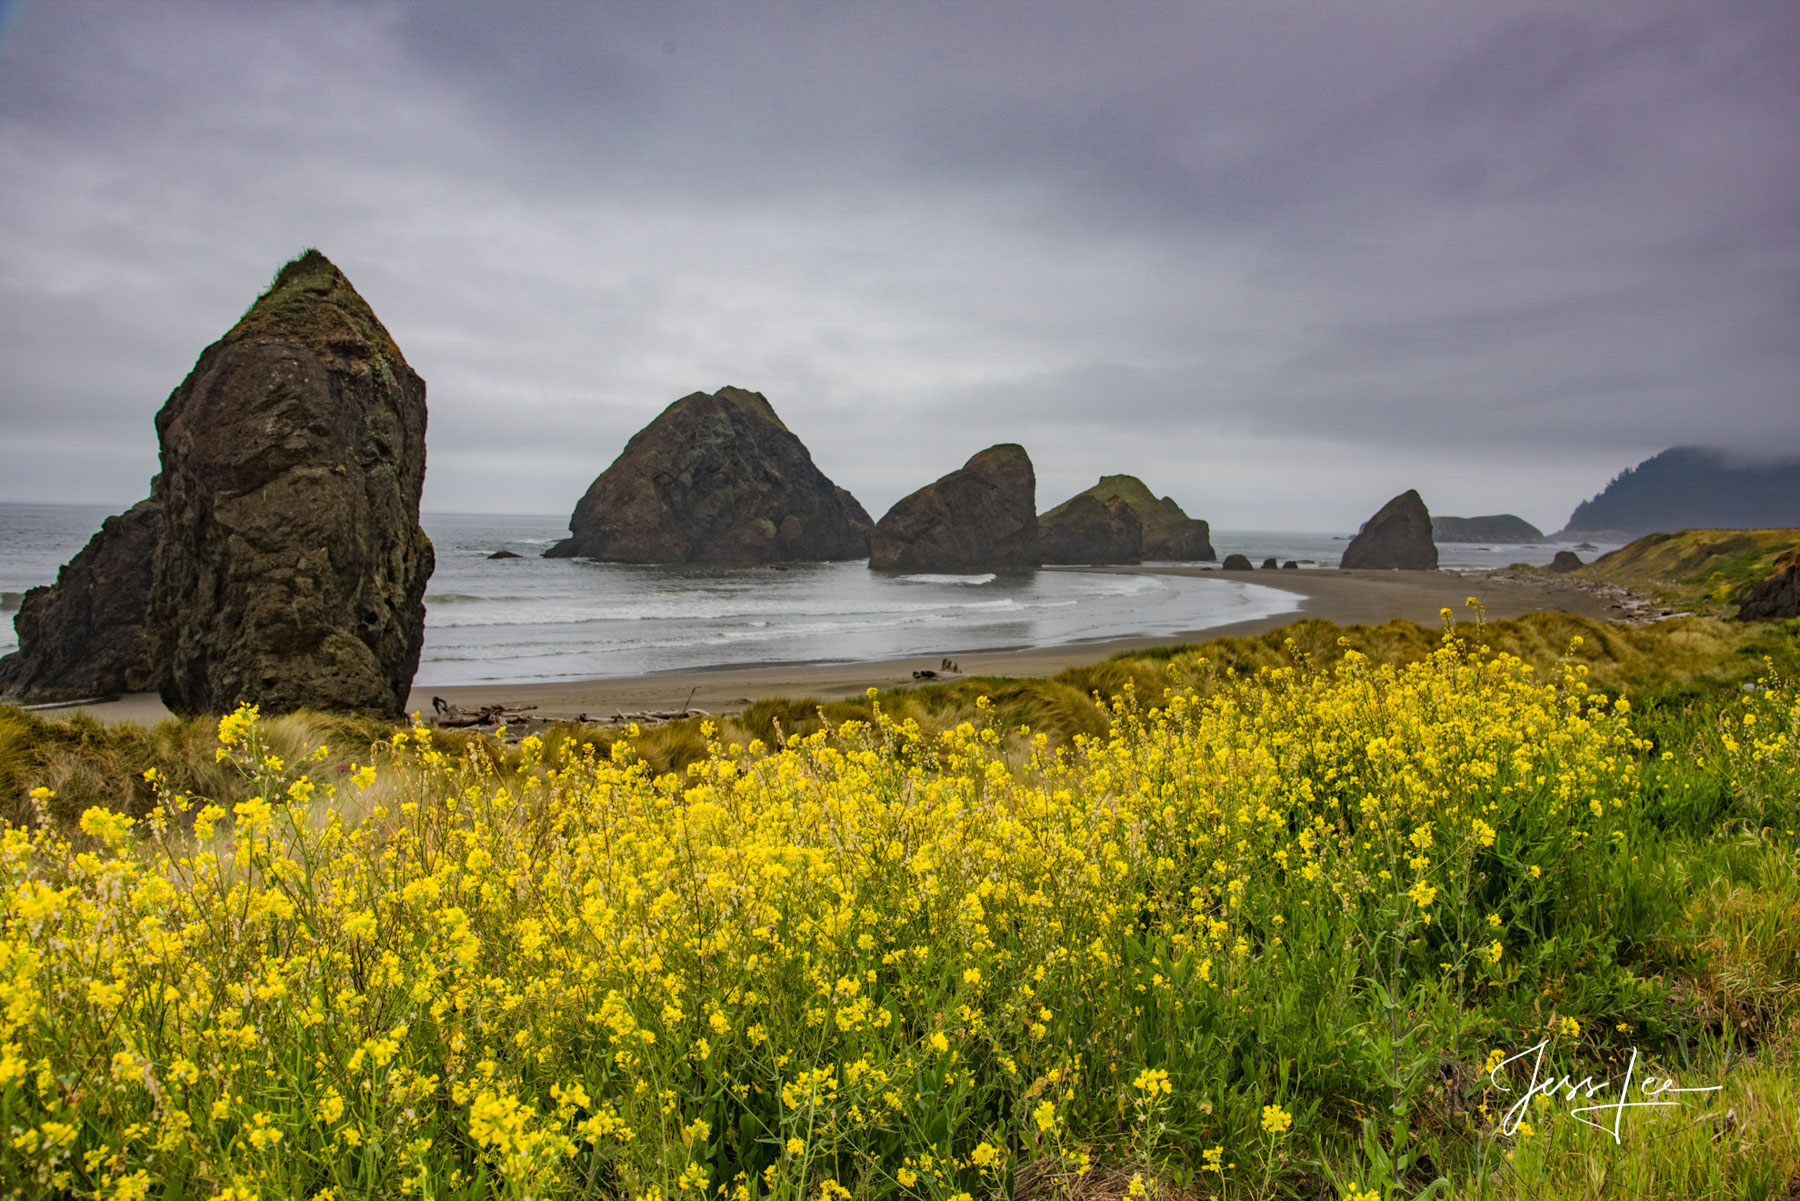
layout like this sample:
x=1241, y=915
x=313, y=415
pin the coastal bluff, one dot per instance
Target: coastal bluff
x=715, y=478
x=1398, y=537
x=1778, y=594
x=279, y=560
x=980, y=517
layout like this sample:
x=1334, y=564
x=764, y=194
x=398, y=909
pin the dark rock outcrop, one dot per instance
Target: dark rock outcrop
x=1778, y=595
x=1565, y=561
x=1497, y=527
x=505, y=554
x=290, y=568
x=1397, y=537
x=1269, y=565
x=1169, y=533
x=1090, y=530
x=715, y=479
x=1290, y=565
x=84, y=635
x=980, y=517
x=1237, y=563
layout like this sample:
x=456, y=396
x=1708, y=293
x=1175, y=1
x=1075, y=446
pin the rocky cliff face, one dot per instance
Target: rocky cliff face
x=715, y=479
x=1090, y=530
x=290, y=569
x=1779, y=594
x=1169, y=533
x=980, y=517
x=84, y=635
x=1399, y=536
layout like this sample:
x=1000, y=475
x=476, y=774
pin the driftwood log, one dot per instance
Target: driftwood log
x=451, y=715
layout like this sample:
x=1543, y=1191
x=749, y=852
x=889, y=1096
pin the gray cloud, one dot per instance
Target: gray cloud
x=1282, y=260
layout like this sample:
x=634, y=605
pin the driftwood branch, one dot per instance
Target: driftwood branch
x=451, y=715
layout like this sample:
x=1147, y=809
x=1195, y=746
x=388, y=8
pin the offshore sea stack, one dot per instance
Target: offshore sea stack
x=980, y=517
x=1397, y=537
x=290, y=569
x=715, y=479
x=1090, y=530
x=84, y=635
x=1169, y=533
x=1779, y=593
x=1496, y=527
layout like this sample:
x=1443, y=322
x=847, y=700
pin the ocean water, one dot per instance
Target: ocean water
x=531, y=618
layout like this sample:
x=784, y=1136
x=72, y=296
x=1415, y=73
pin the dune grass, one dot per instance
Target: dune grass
x=88, y=762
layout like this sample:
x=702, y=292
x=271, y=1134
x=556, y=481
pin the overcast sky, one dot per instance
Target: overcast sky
x=1282, y=261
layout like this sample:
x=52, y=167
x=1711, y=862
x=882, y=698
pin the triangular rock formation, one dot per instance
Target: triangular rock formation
x=715, y=479
x=1398, y=536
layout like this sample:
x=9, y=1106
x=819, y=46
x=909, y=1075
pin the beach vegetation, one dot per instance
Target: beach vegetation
x=1267, y=930
x=90, y=762
x=1703, y=571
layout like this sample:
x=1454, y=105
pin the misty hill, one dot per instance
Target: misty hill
x=1497, y=527
x=1691, y=487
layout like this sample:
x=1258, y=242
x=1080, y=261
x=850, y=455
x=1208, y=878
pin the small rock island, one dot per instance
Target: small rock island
x=1496, y=527
x=980, y=517
x=1398, y=537
x=715, y=479
x=1168, y=533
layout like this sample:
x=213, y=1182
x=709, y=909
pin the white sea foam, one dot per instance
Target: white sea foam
x=973, y=581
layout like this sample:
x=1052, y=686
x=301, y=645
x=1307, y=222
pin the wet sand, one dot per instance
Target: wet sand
x=1345, y=597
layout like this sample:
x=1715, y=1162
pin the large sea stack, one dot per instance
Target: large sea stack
x=1169, y=533
x=980, y=517
x=290, y=569
x=1399, y=536
x=84, y=635
x=715, y=479
x=1090, y=530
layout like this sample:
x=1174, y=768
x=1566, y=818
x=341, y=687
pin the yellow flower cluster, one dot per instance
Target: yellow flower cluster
x=867, y=962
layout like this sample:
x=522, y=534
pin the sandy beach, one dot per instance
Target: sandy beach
x=1345, y=597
